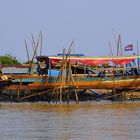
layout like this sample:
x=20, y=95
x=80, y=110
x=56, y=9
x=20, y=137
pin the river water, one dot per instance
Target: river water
x=102, y=120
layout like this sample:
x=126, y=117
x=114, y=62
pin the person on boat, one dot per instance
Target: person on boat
x=101, y=74
x=42, y=67
x=134, y=71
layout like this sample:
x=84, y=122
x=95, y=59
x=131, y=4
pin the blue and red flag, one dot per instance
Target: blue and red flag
x=128, y=48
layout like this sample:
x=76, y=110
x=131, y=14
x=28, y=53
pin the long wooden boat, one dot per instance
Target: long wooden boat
x=78, y=82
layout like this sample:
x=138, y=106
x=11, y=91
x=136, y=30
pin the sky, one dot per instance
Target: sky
x=90, y=23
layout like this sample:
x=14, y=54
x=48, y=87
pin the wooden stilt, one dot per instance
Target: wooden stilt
x=132, y=94
x=18, y=91
x=77, y=100
x=67, y=97
x=60, y=95
x=115, y=96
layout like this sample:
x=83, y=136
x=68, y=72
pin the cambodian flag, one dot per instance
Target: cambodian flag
x=128, y=48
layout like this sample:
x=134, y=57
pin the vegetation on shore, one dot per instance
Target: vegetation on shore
x=9, y=59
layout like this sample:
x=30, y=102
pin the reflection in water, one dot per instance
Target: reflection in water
x=83, y=121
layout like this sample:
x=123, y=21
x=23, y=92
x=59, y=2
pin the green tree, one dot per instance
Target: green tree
x=8, y=59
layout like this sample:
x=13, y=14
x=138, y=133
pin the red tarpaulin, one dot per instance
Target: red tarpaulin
x=122, y=61
x=95, y=61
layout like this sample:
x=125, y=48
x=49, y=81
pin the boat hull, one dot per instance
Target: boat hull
x=92, y=83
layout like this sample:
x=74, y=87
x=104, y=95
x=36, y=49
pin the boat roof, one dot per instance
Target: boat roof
x=91, y=60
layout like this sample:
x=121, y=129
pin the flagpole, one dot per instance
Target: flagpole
x=138, y=54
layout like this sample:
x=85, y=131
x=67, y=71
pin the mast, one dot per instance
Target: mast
x=40, y=35
x=138, y=55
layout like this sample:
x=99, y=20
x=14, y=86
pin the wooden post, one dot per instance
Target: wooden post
x=114, y=93
x=60, y=95
x=84, y=71
x=18, y=92
x=77, y=100
x=11, y=95
x=132, y=95
x=67, y=96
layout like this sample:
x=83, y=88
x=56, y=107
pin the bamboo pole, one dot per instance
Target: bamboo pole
x=18, y=91
x=33, y=43
x=60, y=99
x=121, y=49
x=115, y=40
x=27, y=51
x=34, y=54
x=118, y=45
x=111, y=52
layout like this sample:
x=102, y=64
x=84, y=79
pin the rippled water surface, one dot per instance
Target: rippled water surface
x=83, y=121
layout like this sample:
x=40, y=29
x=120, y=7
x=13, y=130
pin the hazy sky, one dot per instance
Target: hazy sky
x=90, y=23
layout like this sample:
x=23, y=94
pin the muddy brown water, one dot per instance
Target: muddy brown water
x=102, y=120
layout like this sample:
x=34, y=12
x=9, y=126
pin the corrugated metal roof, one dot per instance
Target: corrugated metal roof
x=12, y=70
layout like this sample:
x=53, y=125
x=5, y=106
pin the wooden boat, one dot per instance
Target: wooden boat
x=88, y=81
x=121, y=82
